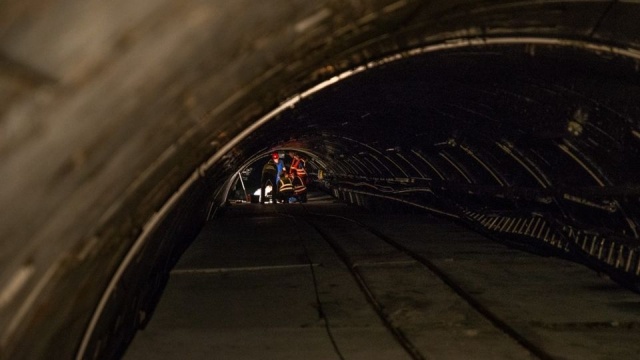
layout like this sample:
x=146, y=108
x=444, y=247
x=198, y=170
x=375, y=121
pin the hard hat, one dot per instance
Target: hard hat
x=275, y=156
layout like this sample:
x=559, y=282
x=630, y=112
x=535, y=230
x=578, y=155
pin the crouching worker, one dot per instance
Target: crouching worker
x=299, y=188
x=285, y=187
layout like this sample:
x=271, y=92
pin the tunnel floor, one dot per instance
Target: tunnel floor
x=324, y=280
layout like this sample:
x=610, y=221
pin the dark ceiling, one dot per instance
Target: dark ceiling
x=547, y=122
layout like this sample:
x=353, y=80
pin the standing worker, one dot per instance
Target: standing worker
x=298, y=177
x=270, y=174
x=297, y=166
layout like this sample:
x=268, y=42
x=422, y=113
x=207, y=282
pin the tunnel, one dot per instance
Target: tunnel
x=124, y=126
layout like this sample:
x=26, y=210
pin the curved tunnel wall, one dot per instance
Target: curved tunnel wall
x=118, y=134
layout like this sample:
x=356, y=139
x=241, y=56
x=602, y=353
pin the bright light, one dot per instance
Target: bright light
x=267, y=193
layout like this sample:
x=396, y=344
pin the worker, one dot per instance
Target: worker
x=299, y=188
x=270, y=175
x=297, y=166
x=298, y=176
x=285, y=187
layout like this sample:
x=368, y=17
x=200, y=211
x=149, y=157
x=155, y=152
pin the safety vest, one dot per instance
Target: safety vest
x=297, y=165
x=301, y=172
x=298, y=186
x=285, y=185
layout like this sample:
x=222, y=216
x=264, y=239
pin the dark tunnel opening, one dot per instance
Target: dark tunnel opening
x=518, y=120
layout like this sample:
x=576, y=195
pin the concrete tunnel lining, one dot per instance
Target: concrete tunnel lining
x=144, y=191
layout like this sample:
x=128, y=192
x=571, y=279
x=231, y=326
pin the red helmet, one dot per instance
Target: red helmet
x=275, y=156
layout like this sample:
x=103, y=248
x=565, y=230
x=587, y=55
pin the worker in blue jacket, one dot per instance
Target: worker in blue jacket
x=271, y=175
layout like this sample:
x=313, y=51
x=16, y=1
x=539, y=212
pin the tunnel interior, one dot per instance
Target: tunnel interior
x=518, y=120
x=512, y=140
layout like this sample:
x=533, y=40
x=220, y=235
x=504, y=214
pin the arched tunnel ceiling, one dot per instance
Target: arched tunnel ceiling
x=526, y=121
x=540, y=100
x=122, y=120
